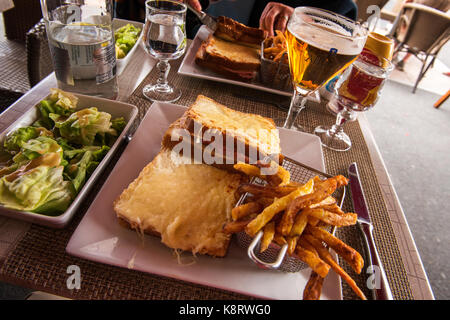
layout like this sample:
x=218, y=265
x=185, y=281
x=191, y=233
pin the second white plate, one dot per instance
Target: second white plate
x=99, y=237
x=188, y=67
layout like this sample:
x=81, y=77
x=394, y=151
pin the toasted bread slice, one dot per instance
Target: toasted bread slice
x=219, y=65
x=229, y=54
x=185, y=204
x=231, y=30
x=248, y=135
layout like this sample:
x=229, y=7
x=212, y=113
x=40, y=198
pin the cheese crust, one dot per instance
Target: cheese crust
x=185, y=204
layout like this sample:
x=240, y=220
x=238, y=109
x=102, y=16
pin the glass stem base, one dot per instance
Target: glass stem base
x=162, y=91
x=334, y=137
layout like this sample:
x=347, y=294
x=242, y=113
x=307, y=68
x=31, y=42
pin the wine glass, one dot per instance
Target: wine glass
x=358, y=89
x=320, y=45
x=164, y=39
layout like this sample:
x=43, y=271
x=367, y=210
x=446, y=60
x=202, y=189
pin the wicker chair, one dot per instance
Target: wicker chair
x=21, y=18
x=39, y=60
x=422, y=31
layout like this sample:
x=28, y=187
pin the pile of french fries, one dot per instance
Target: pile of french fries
x=297, y=215
x=275, y=48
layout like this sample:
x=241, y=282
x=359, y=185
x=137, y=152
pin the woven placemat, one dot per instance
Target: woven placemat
x=39, y=260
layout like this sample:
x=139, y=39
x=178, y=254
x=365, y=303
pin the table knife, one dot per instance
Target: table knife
x=206, y=19
x=381, y=290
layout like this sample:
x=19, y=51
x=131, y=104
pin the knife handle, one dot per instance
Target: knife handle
x=383, y=292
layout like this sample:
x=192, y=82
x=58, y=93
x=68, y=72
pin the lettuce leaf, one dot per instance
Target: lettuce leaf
x=82, y=126
x=34, y=148
x=82, y=163
x=125, y=38
x=39, y=189
x=17, y=138
x=58, y=103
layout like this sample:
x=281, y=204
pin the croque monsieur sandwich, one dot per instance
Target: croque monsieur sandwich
x=245, y=137
x=233, y=50
x=187, y=204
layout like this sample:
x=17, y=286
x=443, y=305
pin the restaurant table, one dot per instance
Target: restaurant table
x=34, y=256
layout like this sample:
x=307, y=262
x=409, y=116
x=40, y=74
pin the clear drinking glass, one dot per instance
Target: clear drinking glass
x=320, y=45
x=165, y=39
x=358, y=89
x=82, y=45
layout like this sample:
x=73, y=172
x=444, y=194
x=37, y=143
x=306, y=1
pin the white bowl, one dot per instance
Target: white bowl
x=118, y=23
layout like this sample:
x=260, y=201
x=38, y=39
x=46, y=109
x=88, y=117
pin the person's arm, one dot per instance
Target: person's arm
x=275, y=17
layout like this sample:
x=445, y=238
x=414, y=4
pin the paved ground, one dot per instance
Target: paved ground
x=414, y=139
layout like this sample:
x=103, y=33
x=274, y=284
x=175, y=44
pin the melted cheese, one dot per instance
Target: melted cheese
x=187, y=204
x=233, y=51
x=256, y=130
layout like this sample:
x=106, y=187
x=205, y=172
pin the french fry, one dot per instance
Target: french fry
x=347, y=219
x=248, y=169
x=333, y=208
x=277, y=206
x=245, y=210
x=265, y=201
x=292, y=244
x=321, y=191
x=280, y=177
x=306, y=245
x=279, y=55
x=272, y=49
x=279, y=239
x=324, y=203
x=237, y=226
x=349, y=254
x=313, y=260
x=268, y=235
x=313, y=221
x=300, y=223
x=326, y=256
x=266, y=191
x=313, y=288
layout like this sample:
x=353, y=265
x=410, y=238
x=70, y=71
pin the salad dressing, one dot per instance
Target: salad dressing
x=48, y=159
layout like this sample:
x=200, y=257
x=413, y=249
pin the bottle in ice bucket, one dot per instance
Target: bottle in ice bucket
x=377, y=46
x=81, y=41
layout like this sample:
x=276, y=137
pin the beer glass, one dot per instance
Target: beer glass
x=82, y=45
x=320, y=45
x=358, y=89
x=164, y=39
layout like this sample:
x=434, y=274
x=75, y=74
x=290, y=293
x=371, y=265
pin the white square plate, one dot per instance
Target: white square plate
x=188, y=67
x=100, y=238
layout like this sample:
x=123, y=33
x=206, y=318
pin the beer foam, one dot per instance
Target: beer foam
x=326, y=37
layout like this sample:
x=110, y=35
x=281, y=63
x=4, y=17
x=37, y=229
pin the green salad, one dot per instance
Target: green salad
x=45, y=165
x=126, y=38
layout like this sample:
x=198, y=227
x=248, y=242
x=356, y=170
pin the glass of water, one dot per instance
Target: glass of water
x=82, y=45
x=165, y=39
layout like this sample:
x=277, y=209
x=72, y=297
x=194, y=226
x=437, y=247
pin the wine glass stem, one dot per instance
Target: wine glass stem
x=163, y=68
x=342, y=117
x=297, y=105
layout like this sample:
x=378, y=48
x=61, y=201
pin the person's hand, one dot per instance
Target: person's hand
x=194, y=4
x=275, y=17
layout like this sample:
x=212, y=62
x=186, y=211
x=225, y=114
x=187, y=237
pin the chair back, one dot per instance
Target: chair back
x=422, y=28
